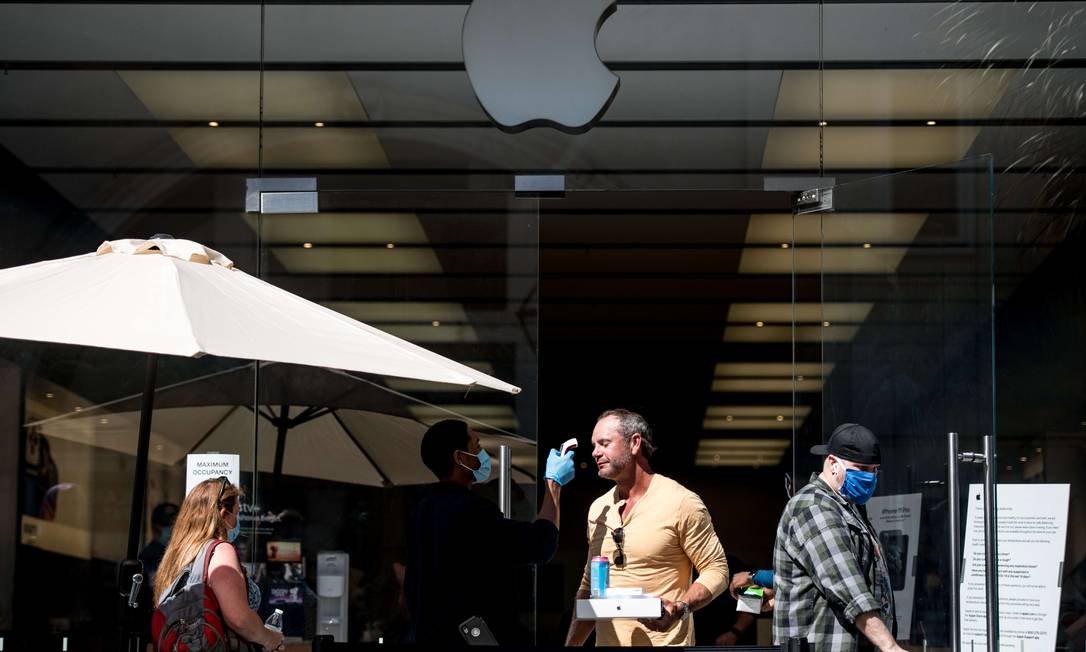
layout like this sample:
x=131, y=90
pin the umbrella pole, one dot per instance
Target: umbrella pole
x=133, y=616
x=139, y=493
x=281, y=427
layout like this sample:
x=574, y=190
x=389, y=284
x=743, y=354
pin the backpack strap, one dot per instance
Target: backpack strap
x=200, y=565
x=193, y=573
x=203, y=561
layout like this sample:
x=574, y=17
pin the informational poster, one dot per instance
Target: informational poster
x=1031, y=532
x=896, y=520
x=204, y=466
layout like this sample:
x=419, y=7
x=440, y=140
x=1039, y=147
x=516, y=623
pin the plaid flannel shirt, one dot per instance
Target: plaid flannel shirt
x=828, y=570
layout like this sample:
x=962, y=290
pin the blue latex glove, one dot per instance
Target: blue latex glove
x=560, y=467
x=762, y=578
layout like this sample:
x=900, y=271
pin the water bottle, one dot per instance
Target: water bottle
x=275, y=621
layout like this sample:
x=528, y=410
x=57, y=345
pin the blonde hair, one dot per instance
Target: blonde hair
x=197, y=523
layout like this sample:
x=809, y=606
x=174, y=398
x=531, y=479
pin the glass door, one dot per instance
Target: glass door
x=906, y=322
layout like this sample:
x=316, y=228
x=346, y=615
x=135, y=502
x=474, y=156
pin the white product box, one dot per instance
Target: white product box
x=750, y=603
x=611, y=608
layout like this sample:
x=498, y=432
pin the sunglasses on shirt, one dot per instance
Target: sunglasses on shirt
x=619, y=537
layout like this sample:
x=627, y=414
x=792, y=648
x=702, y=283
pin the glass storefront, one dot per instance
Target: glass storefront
x=934, y=285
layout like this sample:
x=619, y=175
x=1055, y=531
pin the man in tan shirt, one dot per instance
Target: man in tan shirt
x=655, y=532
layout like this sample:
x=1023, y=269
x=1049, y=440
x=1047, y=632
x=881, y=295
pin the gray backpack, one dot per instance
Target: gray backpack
x=188, y=617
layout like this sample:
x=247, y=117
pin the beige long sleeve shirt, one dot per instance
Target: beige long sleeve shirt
x=668, y=534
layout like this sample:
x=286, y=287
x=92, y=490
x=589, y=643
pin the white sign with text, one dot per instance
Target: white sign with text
x=1031, y=532
x=204, y=466
x=896, y=520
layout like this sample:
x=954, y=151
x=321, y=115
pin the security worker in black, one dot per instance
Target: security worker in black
x=460, y=546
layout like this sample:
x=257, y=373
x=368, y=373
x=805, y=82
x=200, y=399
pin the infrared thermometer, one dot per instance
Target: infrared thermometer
x=569, y=444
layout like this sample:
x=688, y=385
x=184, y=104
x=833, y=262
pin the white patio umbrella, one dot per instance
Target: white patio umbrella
x=177, y=297
x=355, y=446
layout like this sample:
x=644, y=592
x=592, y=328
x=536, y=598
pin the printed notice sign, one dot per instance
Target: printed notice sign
x=896, y=520
x=203, y=466
x=1031, y=531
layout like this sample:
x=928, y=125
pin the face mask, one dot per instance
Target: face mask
x=232, y=535
x=164, y=537
x=859, y=486
x=483, y=472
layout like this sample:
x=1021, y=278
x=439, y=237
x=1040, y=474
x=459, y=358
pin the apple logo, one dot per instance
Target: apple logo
x=534, y=62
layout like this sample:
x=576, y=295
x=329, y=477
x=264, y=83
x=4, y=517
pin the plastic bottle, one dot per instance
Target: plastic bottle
x=275, y=621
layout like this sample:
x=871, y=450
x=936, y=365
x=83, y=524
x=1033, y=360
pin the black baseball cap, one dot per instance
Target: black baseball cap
x=852, y=442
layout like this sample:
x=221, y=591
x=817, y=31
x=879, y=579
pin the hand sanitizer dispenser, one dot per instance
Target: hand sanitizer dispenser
x=332, y=573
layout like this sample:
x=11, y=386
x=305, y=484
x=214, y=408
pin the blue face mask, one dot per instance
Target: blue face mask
x=483, y=472
x=859, y=486
x=232, y=535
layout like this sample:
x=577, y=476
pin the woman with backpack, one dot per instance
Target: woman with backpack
x=203, y=597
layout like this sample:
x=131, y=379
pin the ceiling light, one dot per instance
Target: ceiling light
x=213, y=124
x=821, y=260
x=355, y=229
x=777, y=377
x=435, y=323
x=1039, y=450
x=1023, y=459
x=391, y=245
x=931, y=123
x=49, y=395
x=759, y=324
x=841, y=228
x=771, y=369
x=825, y=323
x=766, y=385
x=785, y=245
x=78, y=409
x=307, y=245
x=103, y=421
x=318, y=124
x=804, y=313
x=790, y=333
x=822, y=123
x=339, y=259
x=159, y=447
x=867, y=245
x=740, y=452
x=754, y=417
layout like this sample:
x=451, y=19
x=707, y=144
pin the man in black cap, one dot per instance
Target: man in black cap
x=831, y=579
